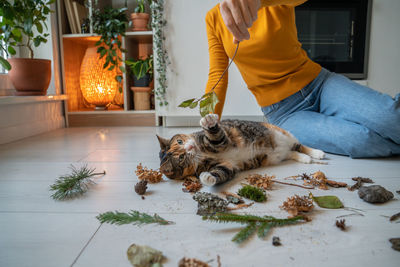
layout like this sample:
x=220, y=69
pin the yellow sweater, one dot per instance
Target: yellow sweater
x=272, y=62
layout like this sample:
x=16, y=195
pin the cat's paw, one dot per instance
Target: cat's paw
x=317, y=154
x=208, y=179
x=209, y=121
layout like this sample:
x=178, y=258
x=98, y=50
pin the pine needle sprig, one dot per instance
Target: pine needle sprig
x=261, y=225
x=75, y=184
x=245, y=233
x=133, y=217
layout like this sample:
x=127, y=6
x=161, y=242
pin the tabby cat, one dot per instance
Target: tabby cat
x=224, y=148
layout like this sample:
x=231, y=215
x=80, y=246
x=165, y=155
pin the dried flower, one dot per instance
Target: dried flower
x=317, y=179
x=141, y=187
x=191, y=186
x=296, y=204
x=149, y=175
x=191, y=262
x=261, y=181
x=341, y=224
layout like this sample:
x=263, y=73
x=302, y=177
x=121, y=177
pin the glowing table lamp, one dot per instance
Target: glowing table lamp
x=98, y=85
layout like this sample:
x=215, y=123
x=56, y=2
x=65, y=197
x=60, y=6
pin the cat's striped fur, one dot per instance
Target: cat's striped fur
x=224, y=148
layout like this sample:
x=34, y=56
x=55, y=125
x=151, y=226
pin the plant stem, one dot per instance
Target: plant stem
x=28, y=45
x=305, y=187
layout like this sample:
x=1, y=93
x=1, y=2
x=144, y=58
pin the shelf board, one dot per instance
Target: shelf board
x=6, y=100
x=140, y=33
x=127, y=34
x=112, y=112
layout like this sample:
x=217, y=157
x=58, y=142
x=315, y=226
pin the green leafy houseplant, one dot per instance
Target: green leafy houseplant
x=141, y=67
x=20, y=19
x=140, y=8
x=111, y=25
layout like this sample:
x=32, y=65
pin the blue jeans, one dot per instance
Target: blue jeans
x=340, y=116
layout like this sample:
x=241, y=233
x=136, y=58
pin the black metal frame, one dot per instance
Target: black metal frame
x=361, y=14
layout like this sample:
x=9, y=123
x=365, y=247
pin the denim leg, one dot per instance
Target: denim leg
x=335, y=135
x=348, y=100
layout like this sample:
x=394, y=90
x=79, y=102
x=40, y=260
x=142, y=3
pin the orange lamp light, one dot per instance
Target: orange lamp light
x=98, y=85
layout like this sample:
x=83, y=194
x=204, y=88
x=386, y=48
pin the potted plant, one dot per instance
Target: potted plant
x=142, y=71
x=140, y=19
x=22, y=26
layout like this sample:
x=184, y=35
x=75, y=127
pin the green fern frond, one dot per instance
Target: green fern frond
x=245, y=233
x=75, y=184
x=133, y=217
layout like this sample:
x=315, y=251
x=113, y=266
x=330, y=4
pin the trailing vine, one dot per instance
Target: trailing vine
x=158, y=22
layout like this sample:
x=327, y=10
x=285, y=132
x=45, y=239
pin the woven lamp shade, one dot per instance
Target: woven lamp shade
x=98, y=85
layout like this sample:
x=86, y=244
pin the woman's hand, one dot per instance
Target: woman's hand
x=238, y=16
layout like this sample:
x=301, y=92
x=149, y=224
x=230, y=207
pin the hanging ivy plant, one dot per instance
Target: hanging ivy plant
x=158, y=23
x=111, y=24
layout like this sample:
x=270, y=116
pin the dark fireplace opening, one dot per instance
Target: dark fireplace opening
x=335, y=34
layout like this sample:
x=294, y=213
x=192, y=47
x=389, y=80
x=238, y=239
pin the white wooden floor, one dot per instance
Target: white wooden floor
x=38, y=231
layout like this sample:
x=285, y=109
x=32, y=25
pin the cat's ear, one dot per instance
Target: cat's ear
x=163, y=142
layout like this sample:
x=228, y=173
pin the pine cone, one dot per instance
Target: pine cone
x=187, y=262
x=141, y=187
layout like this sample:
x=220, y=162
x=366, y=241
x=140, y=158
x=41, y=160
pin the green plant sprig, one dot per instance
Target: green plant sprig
x=19, y=19
x=133, y=217
x=75, y=184
x=261, y=225
x=158, y=23
x=111, y=25
x=209, y=100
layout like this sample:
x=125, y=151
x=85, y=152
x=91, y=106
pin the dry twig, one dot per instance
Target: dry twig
x=240, y=206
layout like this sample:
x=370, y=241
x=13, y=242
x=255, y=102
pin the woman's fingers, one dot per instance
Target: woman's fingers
x=238, y=16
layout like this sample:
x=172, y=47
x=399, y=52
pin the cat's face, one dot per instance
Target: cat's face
x=176, y=156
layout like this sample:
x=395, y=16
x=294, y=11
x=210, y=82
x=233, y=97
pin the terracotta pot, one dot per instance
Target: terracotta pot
x=30, y=76
x=140, y=21
x=141, y=98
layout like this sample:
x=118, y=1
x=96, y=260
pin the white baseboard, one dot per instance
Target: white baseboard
x=193, y=121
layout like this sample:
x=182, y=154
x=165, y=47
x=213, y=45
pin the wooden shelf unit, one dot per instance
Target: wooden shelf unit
x=72, y=50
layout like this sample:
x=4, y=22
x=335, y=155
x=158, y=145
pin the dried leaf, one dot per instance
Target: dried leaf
x=144, y=256
x=328, y=202
x=335, y=184
x=395, y=217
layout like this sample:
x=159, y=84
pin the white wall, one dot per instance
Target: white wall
x=188, y=50
x=384, y=56
x=187, y=46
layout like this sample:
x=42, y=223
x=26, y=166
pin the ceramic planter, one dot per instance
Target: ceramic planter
x=140, y=21
x=30, y=76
